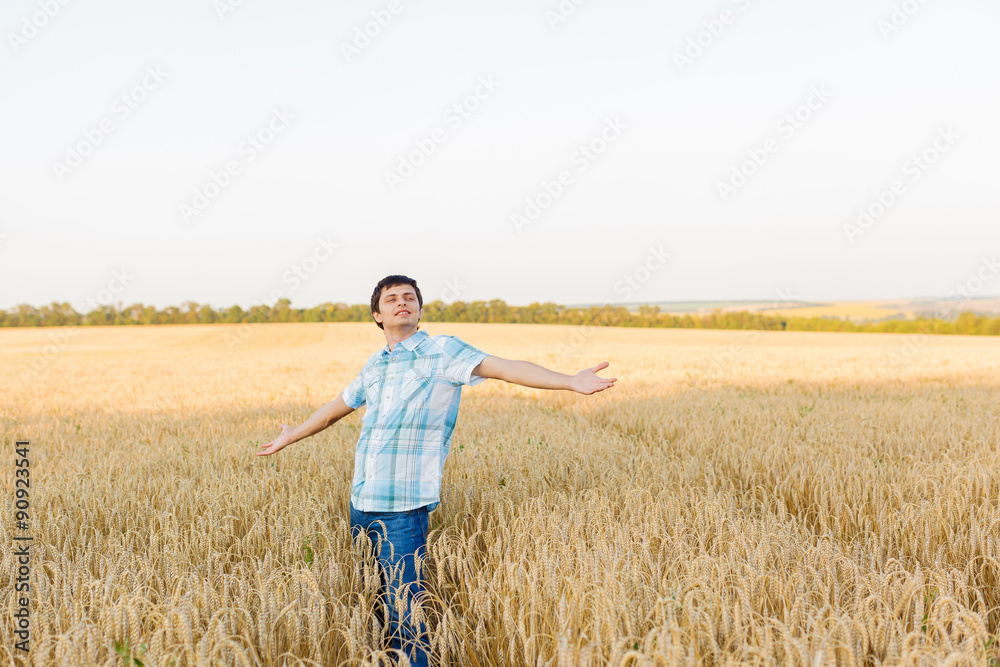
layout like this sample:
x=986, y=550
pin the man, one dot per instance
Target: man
x=412, y=388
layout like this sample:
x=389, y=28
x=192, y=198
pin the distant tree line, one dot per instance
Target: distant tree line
x=62, y=314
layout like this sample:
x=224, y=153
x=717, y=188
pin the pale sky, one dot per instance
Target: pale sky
x=115, y=114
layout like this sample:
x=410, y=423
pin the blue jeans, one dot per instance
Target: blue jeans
x=407, y=532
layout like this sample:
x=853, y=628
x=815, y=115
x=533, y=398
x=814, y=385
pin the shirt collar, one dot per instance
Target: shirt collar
x=407, y=343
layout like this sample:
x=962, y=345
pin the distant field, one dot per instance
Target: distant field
x=848, y=310
x=876, y=310
x=695, y=307
x=739, y=497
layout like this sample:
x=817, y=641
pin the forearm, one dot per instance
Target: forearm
x=529, y=374
x=325, y=416
x=321, y=419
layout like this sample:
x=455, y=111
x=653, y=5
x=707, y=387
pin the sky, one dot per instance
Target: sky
x=576, y=151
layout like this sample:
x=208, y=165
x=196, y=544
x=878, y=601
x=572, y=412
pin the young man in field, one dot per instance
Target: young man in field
x=412, y=388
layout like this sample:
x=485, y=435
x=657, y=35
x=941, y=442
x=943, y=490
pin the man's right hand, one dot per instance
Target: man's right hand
x=283, y=440
x=322, y=418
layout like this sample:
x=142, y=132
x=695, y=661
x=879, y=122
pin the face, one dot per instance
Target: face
x=398, y=308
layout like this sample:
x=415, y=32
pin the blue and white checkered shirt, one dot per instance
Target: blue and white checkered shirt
x=412, y=394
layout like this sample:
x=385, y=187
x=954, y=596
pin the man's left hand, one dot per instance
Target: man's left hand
x=588, y=381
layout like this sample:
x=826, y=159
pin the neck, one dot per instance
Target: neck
x=394, y=335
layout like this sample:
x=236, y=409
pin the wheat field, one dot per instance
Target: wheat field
x=737, y=498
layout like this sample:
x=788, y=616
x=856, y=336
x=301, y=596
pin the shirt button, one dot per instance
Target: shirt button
x=371, y=456
x=370, y=475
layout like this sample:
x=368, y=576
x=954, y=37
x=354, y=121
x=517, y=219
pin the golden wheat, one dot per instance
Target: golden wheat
x=736, y=498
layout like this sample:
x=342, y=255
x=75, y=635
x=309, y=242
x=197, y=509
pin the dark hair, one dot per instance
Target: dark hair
x=389, y=282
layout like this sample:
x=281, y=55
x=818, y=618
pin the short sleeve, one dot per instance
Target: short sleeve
x=354, y=393
x=459, y=360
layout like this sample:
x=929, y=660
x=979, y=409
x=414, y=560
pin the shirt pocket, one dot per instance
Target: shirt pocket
x=414, y=388
x=373, y=390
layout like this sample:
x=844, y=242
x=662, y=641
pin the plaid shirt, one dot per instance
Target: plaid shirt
x=412, y=394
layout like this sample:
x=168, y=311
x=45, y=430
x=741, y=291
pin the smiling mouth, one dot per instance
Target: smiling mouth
x=403, y=313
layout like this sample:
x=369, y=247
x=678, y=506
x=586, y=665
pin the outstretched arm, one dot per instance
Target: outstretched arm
x=529, y=374
x=330, y=413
